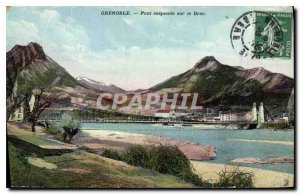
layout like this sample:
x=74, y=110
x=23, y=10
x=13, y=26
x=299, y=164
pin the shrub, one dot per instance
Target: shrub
x=235, y=179
x=70, y=127
x=55, y=131
x=190, y=176
x=112, y=154
x=67, y=120
x=169, y=160
x=279, y=125
x=138, y=156
x=164, y=159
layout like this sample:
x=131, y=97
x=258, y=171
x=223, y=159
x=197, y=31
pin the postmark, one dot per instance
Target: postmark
x=258, y=34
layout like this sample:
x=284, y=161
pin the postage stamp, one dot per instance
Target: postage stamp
x=259, y=34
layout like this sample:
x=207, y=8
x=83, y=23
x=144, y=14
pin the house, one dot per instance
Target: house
x=181, y=113
x=165, y=114
x=226, y=116
x=285, y=117
x=18, y=115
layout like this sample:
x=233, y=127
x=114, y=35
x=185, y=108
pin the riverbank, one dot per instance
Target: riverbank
x=36, y=160
x=65, y=164
x=102, y=139
x=262, y=178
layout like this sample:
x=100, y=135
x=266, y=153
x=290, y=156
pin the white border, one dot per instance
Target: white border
x=5, y=3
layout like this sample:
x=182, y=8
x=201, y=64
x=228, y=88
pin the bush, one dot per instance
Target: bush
x=70, y=127
x=112, y=154
x=235, y=179
x=67, y=120
x=55, y=131
x=169, y=160
x=277, y=126
x=190, y=176
x=164, y=159
x=138, y=156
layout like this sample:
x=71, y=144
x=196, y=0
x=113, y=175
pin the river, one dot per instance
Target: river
x=230, y=143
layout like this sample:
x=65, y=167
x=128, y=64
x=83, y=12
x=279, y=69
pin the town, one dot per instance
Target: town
x=253, y=118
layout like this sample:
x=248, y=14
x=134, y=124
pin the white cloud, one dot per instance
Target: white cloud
x=51, y=28
x=67, y=42
x=128, y=21
x=49, y=16
x=22, y=32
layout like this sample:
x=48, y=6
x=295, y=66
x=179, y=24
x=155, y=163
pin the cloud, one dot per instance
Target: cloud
x=133, y=65
x=21, y=32
x=49, y=28
x=49, y=16
x=128, y=21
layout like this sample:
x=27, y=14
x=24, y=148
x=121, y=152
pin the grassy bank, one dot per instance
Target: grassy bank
x=37, y=160
x=80, y=169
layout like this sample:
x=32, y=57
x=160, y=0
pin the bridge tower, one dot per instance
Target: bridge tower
x=254, y=113
x=261, y=115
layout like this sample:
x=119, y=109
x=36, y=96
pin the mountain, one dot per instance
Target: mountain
x=24, y=62
x=99, y=86
x=29, y=68
x=217, y=83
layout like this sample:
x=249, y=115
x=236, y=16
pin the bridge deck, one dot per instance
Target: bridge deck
x=154, y=122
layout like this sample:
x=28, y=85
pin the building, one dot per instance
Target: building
x=165, y=114
x=230, y=116
x=18, y=115
x=181, y=113
x=253, y=116
x=285, y=118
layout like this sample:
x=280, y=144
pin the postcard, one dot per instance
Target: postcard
x=150, y=97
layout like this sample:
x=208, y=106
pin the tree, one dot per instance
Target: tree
x=39, y=106
x=70, y=127
x=41, y=82
x=20, y=93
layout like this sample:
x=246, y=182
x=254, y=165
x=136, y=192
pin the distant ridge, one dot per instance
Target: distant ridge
x=99, y=86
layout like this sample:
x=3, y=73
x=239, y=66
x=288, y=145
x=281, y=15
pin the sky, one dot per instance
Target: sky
x=134, y=51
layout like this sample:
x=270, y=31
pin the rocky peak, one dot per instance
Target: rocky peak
x=23, y=55
x=258, y=72
x=207, y=63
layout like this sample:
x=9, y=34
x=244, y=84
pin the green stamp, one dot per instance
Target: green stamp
x=260, y=34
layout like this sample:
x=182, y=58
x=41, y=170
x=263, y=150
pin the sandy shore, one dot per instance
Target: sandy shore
x=291, y=143
x=262, y=178
x=102, y=139
x=275, y=160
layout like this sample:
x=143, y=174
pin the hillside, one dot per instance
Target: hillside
x=39, y=161
x=217, y=83
x=26, y=61
x=29, y=68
